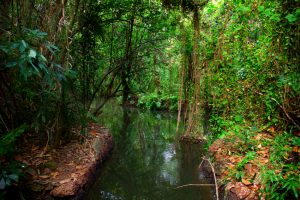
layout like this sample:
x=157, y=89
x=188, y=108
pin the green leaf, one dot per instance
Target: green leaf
x=13, y=177
x=238, y=118
x=32, y=53
x=275, y=17
x=71, y=74
x=52, y=48
x=10, y=137
x=295, y=191
x=11, y=64
x=261, y=8
x=296, y=141
x=14, y=45
x=43, y=58
x=291, y=18
x=4, y=49
x=2, y=184
x=158, y=104
x=23, y=45
x=34, y=67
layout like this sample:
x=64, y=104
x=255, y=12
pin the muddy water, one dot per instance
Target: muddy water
x=147, y=163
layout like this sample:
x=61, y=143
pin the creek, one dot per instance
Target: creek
x=147, y=163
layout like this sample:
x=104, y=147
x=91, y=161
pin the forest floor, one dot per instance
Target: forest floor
x=244, y=163
x=67, y=171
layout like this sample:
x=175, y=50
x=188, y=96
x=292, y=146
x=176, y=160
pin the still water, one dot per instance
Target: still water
x=147, y=163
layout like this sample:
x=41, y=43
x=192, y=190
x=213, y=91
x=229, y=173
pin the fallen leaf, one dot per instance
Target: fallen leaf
x=264, y=160
x=251, y=169
x=93, y=132
x=54, y=174
x=71, y=163
x=34, y=148
x=225, y=173
x=296, y=149
x=79, y=167
x=278, y=171
x=65, y=181
x=246, y=182
x=44, y=176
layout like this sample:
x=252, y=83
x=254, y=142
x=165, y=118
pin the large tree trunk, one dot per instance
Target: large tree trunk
x=125, y=76
x=196, y=71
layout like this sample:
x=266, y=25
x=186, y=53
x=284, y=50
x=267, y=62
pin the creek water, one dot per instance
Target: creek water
x=147, y=163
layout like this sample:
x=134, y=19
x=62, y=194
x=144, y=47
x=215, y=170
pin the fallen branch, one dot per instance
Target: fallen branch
x=215, y=179
x=187, y=185
x=213, y=170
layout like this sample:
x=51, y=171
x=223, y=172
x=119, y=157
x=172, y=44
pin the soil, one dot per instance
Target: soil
x=65, y=172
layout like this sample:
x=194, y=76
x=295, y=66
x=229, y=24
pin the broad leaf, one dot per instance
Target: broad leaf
x=32, y=53
x=291, y=18
x=11, y=64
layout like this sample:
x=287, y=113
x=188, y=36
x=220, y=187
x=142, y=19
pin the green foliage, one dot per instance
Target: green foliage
x=6, y=142
x=249, y=156
x=285, y=184
x=10, y=175
x=251, y=48
x=281, y=186
x=35, y=88
x=252, y=79
x=246, y=55
x=280, y=148
x=158, y=102
x=23, y=55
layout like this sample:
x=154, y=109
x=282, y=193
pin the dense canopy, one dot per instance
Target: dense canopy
x=233, y=63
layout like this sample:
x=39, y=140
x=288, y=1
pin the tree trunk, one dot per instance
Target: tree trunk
x=196, y=71
x=128, y=60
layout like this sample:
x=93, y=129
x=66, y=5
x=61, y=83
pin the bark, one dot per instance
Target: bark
x=196, y=71
x=128, y=60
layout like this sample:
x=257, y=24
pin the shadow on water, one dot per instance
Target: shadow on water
x=146, y=163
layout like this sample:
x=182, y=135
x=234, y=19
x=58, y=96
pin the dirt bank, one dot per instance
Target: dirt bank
x=65, y=172
x=239, y=174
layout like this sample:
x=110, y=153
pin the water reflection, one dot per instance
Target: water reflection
x=146, y=163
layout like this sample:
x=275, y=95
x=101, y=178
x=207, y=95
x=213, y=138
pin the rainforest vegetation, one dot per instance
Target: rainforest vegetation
x=234, y=63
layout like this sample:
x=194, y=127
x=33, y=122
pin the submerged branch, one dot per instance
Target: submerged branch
x=187, y=185
x=213, y=171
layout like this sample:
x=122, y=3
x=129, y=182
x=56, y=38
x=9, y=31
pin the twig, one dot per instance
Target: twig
x=187, y=185
x=4, y=123
x=201, y=164
x=215, y=179
x=213, y=170
x=46, y=146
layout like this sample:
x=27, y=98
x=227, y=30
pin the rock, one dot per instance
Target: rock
x=238, y=191
x=252, y=196
x=36, y=187
x=68, y=189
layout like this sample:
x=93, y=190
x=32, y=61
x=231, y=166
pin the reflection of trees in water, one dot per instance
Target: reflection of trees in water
x=137, y=173
x=144, y=164
x=190, y=158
